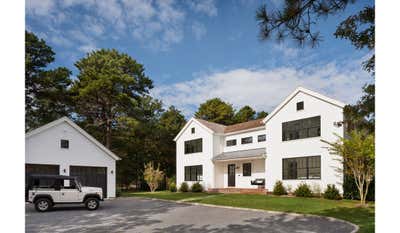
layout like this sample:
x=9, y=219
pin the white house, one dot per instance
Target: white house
x=284, y=146
x=61, y=147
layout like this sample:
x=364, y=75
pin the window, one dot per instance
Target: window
x=300, y=105
x=247, y=169
x=301, y=168
x=194, y=146
x=194, y=173
x=304, y=128
x=261, y=138
x=193, y=130
x=231, y=142
x=247, y=140
x=64, y=144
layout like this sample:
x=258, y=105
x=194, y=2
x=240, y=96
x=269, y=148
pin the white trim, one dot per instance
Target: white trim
x=305, y=91
x=187, y=125
x=79, y=129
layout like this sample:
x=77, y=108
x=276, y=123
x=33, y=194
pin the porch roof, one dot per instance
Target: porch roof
x=258, y=153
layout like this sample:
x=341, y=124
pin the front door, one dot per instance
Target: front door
x=231, y=175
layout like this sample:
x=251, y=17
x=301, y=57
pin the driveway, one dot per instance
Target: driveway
x=144, y=215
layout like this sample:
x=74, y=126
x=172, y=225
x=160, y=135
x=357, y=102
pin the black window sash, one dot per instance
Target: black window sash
x=301, y=168
x=194, y=173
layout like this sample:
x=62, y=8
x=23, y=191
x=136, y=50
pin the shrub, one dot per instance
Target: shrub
x=153, y=176
x=332, y=193
x=279, y=189
x=184, y=187
x=172, y=187
x=303, y=190
x=197, y=188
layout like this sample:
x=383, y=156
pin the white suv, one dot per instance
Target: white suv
x=45, y=191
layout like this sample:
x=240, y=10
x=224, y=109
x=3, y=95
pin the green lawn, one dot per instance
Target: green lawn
x=344, y=209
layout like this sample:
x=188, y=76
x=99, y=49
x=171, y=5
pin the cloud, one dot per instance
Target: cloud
x=204, y=6
x=199, y=30
x=40, y=7
x=264, y=89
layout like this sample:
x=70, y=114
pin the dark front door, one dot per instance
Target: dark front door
x=231, y=175
x=91, y=176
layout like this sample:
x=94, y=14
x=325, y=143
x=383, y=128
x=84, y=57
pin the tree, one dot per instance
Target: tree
x=297, y=18
x=357, y=152
x=261, y=115
x=153, y=176
x=245, y=114
x=361, y=116
x=47, y=95
x=217, y=111
x=107, y=89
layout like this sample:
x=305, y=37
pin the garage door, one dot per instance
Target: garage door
x=91, y=176
x=41, y=169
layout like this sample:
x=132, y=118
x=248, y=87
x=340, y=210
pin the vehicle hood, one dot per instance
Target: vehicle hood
x=92, y=189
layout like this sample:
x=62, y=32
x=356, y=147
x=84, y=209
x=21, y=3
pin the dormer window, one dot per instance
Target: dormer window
x=64, y=143
x=300, y=105
x=193, y=130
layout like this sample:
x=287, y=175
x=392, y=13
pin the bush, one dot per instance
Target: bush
x=303, y=190
x=197, y=188
x=184, y=187
x=172, y=187
x=279, y=189
x=332, y=193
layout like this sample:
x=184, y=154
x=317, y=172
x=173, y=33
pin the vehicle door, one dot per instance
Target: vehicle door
x=69, y=192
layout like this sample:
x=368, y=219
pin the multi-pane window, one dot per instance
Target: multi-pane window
x=194, y=173
x=300, y=105
x=194, y=146
x=301, y=168
x=247, y=169
x=261, y=138
x=64, y=143
x=231, y=142
x=303, y=128
x=193, y=130
x=247, y=140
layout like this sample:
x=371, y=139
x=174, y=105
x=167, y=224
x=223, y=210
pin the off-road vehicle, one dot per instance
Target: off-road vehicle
x=45, y=191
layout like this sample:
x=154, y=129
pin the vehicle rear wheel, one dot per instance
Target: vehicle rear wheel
x=92, y=203
x=43, y=204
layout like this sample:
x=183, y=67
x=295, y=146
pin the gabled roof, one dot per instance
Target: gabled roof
x=208, y=128
x=79, y=129
x=243, y=126
x=307, y=92
x=215, y=127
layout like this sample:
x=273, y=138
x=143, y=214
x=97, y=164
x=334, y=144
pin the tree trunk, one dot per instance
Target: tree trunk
x=108, y=134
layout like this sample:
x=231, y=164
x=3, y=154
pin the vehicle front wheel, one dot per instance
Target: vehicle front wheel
x=92, y=203
x=43, y=204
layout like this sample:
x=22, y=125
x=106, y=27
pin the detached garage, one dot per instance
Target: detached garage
x=63, y=148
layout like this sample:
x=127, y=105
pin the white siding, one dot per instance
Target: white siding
x=278, y=149
x=239, y=136
x=44, y=148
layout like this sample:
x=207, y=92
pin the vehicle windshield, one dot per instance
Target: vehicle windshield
x=78, y=183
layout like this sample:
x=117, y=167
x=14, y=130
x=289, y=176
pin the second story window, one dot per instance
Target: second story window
x=193, y=130
x=64, y=144
x=247, y=140
x=231, y=142
x=261, y=138
x=194, y=146
x=303, y=128
x=300, y=105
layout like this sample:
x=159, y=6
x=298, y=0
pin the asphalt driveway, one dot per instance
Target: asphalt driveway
x=144, y=215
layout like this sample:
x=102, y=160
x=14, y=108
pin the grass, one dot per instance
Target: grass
x=345, y=209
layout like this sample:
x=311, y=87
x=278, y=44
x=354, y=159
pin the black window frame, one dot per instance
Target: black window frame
x=189, y=148
x=64, y=144
x=263, y=138
x=243, y=140
x=303, y=128
x=193, y=130
x=301, y=168
x=300, y=106
x=246, y=169
x=193, y=173
x=228, y=142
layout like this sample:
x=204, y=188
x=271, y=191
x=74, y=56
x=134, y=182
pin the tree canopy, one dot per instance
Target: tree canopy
x=244, y=114
x=217, y=111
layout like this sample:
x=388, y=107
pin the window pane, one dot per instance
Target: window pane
x=303, y=128
x=301, y=168
x=231, y=142
x=247, y=169
x=261, y=138
x=194, y=146
x=247, y=140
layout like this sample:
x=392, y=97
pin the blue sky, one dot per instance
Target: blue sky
x=196, y=50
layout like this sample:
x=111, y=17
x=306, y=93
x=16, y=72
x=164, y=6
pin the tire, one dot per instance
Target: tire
x=43, y=204
x=92, y=203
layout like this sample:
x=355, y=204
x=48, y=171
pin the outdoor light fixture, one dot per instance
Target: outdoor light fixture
x=112, y=172
x=65, y=171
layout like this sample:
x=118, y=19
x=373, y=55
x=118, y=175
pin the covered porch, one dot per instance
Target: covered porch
x=240, y=171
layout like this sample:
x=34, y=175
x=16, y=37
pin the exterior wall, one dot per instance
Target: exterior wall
x=278, y=149
x=44, y=148
x=221, y=173
x=239, y=136
x=203, y=158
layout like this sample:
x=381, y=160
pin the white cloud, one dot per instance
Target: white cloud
x=199, y=30
x=40, y=7
x=264, y=89
x=204, y=6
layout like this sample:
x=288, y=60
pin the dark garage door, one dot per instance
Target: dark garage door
x=42, y=169
x=91, y=176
